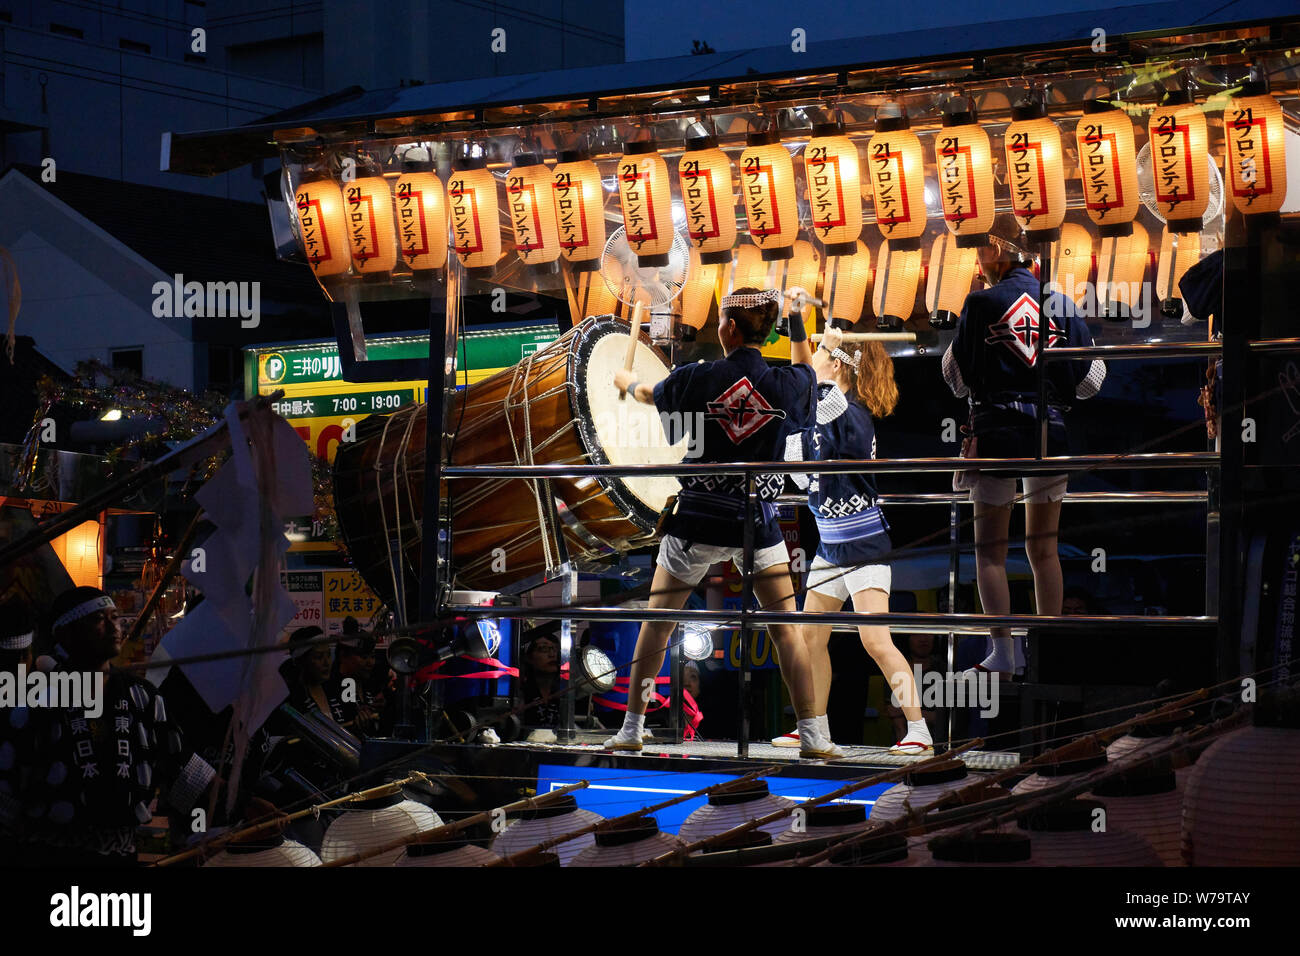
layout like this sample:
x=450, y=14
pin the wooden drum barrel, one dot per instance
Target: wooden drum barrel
x=558, y=406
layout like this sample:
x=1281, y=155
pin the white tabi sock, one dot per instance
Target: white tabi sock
x=633, y=724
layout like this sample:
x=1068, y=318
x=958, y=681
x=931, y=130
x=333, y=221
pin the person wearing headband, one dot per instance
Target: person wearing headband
x=735, y=408
x=96, y=767
x=992, y=362
x=855, y=383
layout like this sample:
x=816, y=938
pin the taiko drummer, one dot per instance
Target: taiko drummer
x=741, y=404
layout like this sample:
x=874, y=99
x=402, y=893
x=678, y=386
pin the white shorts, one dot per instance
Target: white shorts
x=691, y=565
x=843, y=583
x=1039, y=489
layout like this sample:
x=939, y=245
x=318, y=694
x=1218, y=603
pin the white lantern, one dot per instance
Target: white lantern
x=561, y=816
x=728, y=808
x=373, y=823
x=627, y=843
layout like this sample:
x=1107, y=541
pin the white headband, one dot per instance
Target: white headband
x=17, y=642
x=101, y=603
x=843, y=356
x=751, y=299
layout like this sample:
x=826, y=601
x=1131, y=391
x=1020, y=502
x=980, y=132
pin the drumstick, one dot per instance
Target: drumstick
x=870, y=336
x=635, y=331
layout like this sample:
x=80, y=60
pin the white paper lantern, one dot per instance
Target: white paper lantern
x=447, y=852
x=265, y=853
x=1149, y=804
x=728, y=808
x=1242, y=803
x=830, y=819
x=1050, y=775
x=374, y=823
x=627, y=843
x=556, y=819
x=920, y=789
x=1064, y=834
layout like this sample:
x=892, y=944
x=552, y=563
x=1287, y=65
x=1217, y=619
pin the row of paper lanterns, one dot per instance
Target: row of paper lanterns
x=366, y=224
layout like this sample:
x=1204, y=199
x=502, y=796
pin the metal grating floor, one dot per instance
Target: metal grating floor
x=765, y=752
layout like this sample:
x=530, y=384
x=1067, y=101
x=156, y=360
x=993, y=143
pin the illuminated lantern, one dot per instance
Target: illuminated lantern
x=1107, y=167
x=846, y=282
x=368, y=208
x=1034, y=172
x=1252, y=125
x=579, y=207
x=1072, y=261
x=1178, y=164
x=530, y=200
x=767, y=190
x=750, y=271
x=705, y=175
x=897, y=274
x=951, y=274
x=322, y=226
x=1121, y=265
x=965, y=166
x=802, y=271
x=1178, y=253
x=421, y=208
x=834, y=188
x=699, y=292
x=643, y=192
x=588, y=294
x=897, y=174
x=475, y=219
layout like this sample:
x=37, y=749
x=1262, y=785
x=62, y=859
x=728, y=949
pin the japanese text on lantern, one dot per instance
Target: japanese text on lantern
x=825, y=189
x=1249, y=136
x=956, y=180
x=1101, y=172
x=891, y=187
x=410, y=219
x=760, y=199
x=314, y=239
x=361, y=224
x=637, y=197
x=701, y=202
x=570, y=212
x=1028, y=178
x=464, y=217
x=524, y=213
x=1173, y=161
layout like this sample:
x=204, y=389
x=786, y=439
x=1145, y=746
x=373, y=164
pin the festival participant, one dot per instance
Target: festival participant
x=355, y=662
x=854, y=384
x=736, y=405
x=307, y=672
x=991, y=361
x=98, y=764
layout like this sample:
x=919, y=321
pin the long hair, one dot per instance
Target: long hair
x=874, y=382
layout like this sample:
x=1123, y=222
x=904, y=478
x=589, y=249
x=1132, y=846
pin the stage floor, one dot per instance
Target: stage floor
x=985, y=760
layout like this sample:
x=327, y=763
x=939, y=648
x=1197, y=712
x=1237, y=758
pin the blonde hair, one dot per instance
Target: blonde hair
x=874, y=380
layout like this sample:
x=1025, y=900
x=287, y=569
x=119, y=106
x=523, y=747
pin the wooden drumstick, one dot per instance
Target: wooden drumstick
x=871, y=336
x=635, y=331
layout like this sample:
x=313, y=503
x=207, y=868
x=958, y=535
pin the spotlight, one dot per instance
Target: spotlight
x=697, y=642
x=467, y=638
x=593, y=671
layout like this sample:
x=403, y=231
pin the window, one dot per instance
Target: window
x=131, y=360
x=135, y=46
x=65, y=31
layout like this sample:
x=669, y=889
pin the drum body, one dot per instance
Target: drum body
x=558, y=406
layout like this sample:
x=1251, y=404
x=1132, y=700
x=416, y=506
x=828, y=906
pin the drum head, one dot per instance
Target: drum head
x=623, y=432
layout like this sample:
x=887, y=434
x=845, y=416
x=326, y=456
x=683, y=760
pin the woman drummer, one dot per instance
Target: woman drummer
x=736, y=405
x=853, y=385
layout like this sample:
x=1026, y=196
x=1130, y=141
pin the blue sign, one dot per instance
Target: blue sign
x=614, y=791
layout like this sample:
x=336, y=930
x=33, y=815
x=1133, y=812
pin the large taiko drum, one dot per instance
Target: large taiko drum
x=558, y=406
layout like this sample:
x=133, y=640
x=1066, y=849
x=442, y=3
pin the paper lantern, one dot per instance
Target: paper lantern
x=964, y=163
x=1178, y=253
x=1242, y=802
x=834, y=188
x=1072, y=262
x=373, y=823
x=475, y=218
x=561, y=816
x=275, y=852
x=887, y=849
x=579, y=207
x=1253, y=127
x=750, y=271
x=322, y=226
x=1107, y=167
x=1121, y=266
x=455, y=851
x=920, y=789
x=368, y=212
x=588, y=294
x=1062, y=835
x=705, y=175
x=951, y=275
x=846, y=284
x=1149, y=804
x=828, y=819
x=897, y=172
x=729, y=807
x=991, y=848
x=1178, y=167
x=1035, y=175
x=802, y=270
x=626, y=843
x=894, y=295
x=530, y=203
x=767, y=190
x=644, y=194
x=1046, y=776
x=421, y=206
x=1143, y=735
x=700, y=292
